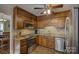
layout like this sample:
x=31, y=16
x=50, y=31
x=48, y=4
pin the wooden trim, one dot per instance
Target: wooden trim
x=24, y=10
x=55, y=5
x=62, y=11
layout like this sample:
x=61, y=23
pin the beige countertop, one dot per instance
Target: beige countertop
x=20, y=38
x=34, y=35
x=25, y=37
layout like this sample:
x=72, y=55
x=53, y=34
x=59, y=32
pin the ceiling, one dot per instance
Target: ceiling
x=8, y=8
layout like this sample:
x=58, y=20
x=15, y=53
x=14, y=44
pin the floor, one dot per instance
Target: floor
x=44, y=50
x=37, y=50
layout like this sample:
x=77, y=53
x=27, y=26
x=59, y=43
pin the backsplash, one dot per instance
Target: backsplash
x=23, y=32
x=52, y=31
x=26, y=31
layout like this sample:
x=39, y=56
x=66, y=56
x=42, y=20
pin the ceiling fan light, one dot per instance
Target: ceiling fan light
x=49, y=11
x=44, y=12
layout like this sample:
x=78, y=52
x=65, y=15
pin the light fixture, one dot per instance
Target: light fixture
x=3, y=20
x=45, y=12
x=48, y=11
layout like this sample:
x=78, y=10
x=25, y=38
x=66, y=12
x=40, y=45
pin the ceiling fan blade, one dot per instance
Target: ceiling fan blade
x=38, y=8
x=42, y=12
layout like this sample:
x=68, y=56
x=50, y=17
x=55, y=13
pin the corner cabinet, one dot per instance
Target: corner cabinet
x=21, y=16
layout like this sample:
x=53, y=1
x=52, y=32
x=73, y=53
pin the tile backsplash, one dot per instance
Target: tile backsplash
x=26, y=31
x=51, y=30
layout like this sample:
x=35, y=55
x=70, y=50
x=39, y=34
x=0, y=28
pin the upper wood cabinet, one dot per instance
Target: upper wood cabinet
x=57, y=20
x=41, y=24
x=62, y=13
x=21, y=16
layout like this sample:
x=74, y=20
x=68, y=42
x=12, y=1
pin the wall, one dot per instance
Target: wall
x=7, y=26
x=6, y=23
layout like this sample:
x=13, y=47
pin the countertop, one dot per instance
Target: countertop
x=34, y=35
x=25, y=37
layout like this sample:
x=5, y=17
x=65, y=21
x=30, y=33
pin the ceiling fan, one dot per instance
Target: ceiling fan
x=48, y=8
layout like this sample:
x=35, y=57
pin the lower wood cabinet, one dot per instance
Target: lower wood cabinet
x=39, y=40
x=23, y=46
x=44, y=41
x=51, y=43
x=48, y=42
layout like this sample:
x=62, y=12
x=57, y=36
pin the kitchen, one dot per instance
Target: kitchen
x=41, y=28
x=39, y=34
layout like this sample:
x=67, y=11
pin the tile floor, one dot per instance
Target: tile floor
x=44, y=50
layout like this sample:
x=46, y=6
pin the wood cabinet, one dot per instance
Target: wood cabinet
x=20, y=16
x=38, y=40
x=51, y=42
x=19, y=23
x=56, y=20
x=42, y=21
x=46, y=41
x=62, y=13
x=23, y=46
x=41, y=24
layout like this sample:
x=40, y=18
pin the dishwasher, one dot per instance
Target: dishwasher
x=59, y=44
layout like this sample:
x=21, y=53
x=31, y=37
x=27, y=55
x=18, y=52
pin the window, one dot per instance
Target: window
x=1, y=28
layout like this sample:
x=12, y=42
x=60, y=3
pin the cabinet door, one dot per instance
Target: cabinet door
x=37, y=40
x=51, y=43
x=40, y=40
x=58, y=22
x=43, y=41
x=19, y=23
x=40, y=24
x=19, y=17
x=23, y=47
